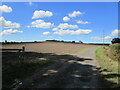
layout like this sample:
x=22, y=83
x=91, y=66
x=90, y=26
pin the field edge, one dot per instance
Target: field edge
x=109, y=68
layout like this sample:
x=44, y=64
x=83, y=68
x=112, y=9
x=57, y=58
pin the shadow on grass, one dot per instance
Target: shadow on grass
x=17, y=66
x=110, y=84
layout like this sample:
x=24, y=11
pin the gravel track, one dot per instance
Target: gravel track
x=80, y=72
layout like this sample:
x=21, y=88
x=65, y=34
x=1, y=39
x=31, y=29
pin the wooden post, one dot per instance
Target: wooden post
x=23, y=54
x=23, y=49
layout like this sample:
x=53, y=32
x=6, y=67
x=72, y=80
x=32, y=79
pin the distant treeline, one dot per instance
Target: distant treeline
x=6, y=42
x=65, y=41
x=80, y=42
x=10, y=42
x=97, y=43
x=16, y=42
x=114, y=40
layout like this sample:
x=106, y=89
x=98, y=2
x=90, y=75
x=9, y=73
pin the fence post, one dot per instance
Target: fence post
x=23, y=49
x=23, y=54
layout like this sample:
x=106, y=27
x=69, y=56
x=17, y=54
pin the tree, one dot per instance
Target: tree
x=5, y=41
x=115, y=40
x=80, y=42
x=73, y=41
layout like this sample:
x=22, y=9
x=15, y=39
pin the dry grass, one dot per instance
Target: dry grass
x=109, y=68
x=50, y=47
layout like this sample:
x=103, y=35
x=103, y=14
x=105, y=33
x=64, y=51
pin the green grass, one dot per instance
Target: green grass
x=108, y=64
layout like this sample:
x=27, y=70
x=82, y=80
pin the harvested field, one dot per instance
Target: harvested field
x=50, y=47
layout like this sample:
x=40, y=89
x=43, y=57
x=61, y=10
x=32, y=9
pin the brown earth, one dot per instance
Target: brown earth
x=78, y=72
x=49, y=47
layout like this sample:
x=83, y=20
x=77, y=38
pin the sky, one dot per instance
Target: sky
x=60, y=0
x=90, y=22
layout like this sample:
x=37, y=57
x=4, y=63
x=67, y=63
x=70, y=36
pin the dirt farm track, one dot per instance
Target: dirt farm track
x=49, y=47
x=80, y=70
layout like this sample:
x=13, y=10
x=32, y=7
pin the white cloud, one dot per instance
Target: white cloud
x=96, y=38
x=5, y=8
x=42, y=14
x=37, y=22
x=67, y=26
x=106, y=38
x=8, y=24
x=9, y=31
x=41, y=24
x=115, y=32
x=28, y=26
x=75, y=13
x=55, y=29
x=82, y=22
x=66, y=19
x=46, y=33
x=72, y=32
x=50, y=36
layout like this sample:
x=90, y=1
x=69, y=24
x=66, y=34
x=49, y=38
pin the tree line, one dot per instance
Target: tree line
x=114, y=40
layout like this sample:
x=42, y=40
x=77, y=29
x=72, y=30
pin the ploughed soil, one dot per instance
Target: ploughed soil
x=49, y=47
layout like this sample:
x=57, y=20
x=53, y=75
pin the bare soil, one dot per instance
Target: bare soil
x=49, y=47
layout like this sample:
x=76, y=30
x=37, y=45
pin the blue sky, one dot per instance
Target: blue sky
x=86, y=21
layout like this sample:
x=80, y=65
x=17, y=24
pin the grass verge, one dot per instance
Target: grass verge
x=109, y=68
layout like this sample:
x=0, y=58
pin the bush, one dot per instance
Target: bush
x=115, y=40
x=80, y=42
x=73, y=41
